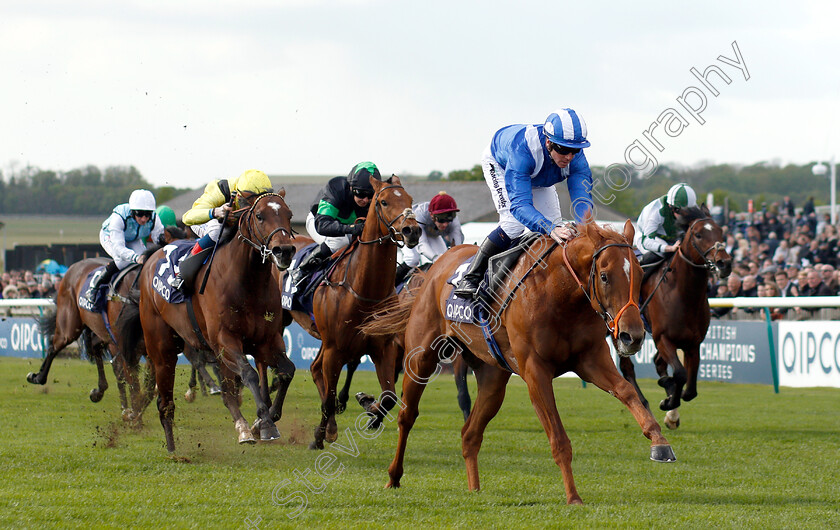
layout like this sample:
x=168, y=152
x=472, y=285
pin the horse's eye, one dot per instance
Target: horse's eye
x=603, y=276
x=383, y=203
x=259, y=217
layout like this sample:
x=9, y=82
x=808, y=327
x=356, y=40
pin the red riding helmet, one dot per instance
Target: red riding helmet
x=442, y=203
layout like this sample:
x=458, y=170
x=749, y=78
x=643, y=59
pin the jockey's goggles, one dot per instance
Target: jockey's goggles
x=143, y=213
x=563, y=150
x=446, y=217
x=362, y=193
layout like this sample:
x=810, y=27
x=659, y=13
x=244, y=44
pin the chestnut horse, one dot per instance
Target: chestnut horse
x=68, y=322
x=239, y=314
x=550, y=322
x=362, y=277
x=676, y=304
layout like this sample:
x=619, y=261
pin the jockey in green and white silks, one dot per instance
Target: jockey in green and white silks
x=656, y=231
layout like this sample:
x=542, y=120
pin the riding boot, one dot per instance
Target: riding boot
x=188, y=269
x=101, y=277
x=403, y=270
x=468, y=286
x=311, y=262
x=206, y=242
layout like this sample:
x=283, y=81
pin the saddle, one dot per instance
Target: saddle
x=651, y=262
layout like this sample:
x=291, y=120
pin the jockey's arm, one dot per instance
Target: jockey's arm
x=651, y=242
x=521, y=197
x=327, y=222
x=579, y=183
x=202, y=209
x=455, y=233
x=156, y=234
x=116, y=236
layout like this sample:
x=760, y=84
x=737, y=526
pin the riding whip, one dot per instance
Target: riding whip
x=216, y=246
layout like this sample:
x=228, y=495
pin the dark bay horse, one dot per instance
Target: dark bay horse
x=68, y=322
x=238, y=314
x=559, y=299
x=675, y=302
x=362, y=278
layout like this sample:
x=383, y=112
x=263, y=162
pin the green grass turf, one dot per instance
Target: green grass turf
x=747, y=458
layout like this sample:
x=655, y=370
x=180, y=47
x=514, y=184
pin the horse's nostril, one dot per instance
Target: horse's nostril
x=625, y=338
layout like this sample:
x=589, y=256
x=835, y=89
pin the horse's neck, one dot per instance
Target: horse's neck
x=688, y=277
x=244, y=261
x=373, y=265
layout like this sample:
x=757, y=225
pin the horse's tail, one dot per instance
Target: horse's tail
x=129, y=333
x=391, y=316
x=47, y=323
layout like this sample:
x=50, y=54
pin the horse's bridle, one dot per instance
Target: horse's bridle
x=612, y=323
x=262, y=247
x=392, y=235
x=709, y=264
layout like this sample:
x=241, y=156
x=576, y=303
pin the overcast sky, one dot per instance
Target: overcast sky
x=191, y=90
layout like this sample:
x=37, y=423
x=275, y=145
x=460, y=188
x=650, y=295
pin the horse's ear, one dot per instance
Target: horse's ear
x=395, y=180
x=282, y=192
x=629, y=231
x=376, y=183
x=705, y=210
x=590, y=228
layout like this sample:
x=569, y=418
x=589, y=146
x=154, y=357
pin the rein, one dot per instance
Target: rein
x=604, y=313
x=261, y=248
x=707, y=263
x=392, y=236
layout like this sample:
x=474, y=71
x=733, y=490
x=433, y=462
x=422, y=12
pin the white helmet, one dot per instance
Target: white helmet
x=142, y=200
x=681, y=196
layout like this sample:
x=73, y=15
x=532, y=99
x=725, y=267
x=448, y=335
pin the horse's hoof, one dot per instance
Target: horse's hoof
x=393, y=484
x=269, y=432
x=662, y=453
x=246, y=437
x=688, y=396
x=668, y=404
x=672, y=419
x=189, y=395
x=32, y=377
x=374, y=423
x=96, y=395
x=331, y=436
x=365, y=400
x=340, y=407
x=316, y=445
x=215, y=391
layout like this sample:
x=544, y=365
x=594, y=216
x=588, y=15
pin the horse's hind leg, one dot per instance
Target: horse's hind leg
x=628, y=370
x=691, y=361
x=326, y=378
x=189, y=395
x=97, y=353
x=602, y=373
x=386, y=373
x=285, y=374
x=459, y=367
x=492, y=383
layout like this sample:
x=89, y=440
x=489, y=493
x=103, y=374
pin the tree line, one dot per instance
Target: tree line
x=764, y=183
x=89, y=190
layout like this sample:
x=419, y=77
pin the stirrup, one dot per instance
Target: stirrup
x=468, y=292
x=90, y=294
x=176, y=282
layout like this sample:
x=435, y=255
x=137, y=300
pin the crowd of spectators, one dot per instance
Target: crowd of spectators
x=26, y=284
x=780, y=251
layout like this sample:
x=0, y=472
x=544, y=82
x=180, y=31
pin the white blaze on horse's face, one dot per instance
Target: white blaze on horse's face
x=274, y=206
x=397, y=193
x=708, y=227
x=627, y=268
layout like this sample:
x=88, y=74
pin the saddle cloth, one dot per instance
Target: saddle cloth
x=299, y=297
x=100, y=298
x=167, y=267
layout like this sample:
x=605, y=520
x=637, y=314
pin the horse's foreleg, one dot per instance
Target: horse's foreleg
x=206, y=379
x=492, y=384
x=419, y=365
x=230, y=397
x=385, y=372
x=119, y=374
x=189, y=396
x=538, y=378
x=165, y=378
x=628, y=370
x=600, y=371
x=459, y=367
x=285, y=374
x=666, y=356
x=344, y=393
x=327, y=380
x=691, y=361
x=252, y=380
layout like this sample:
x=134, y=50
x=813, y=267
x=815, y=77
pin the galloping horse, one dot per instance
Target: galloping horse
x=677, y=307
x=68, y=322
x=551, y=322
x=362, y=278
x=238, y=314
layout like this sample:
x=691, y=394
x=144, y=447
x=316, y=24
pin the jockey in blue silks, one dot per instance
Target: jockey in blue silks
x=521, y=166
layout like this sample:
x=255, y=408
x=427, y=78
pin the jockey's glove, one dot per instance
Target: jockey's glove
x=357, y=228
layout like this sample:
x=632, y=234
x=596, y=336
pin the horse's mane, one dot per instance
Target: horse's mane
x=228, y=232
x=688, y=216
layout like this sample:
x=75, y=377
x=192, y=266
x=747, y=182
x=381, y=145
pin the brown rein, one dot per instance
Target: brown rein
x=611, y=322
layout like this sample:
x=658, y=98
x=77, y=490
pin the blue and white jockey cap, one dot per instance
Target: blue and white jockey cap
x=565, y=127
